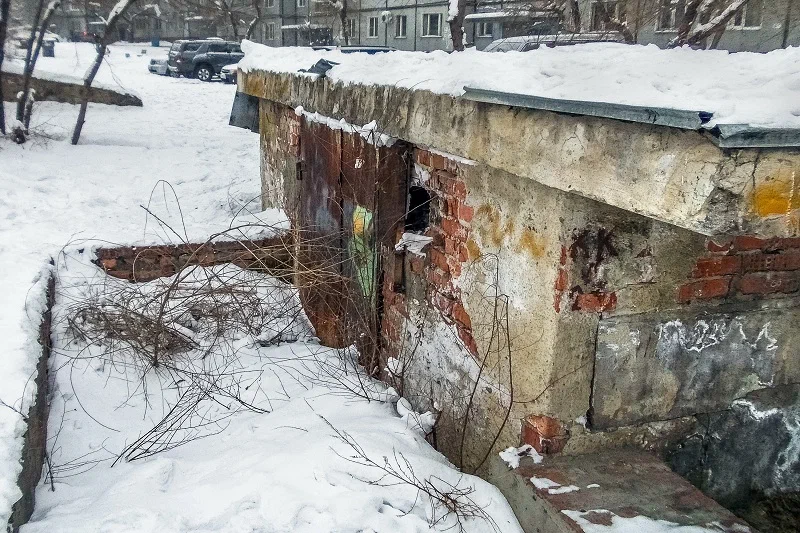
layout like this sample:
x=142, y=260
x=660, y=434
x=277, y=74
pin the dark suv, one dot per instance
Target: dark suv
x=202, y=59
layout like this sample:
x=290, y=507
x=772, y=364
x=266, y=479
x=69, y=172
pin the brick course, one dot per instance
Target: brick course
x=449, y=227
x=744, y=267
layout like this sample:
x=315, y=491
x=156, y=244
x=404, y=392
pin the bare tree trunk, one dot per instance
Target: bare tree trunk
x=343, y=21
x=259, y=15
x=27, y=99
x=5, y=8
x=715, y=25
x=689, y=17
x=29, y=65
x=787, y=24
x=117, y=12
x=456, y=21
x=575, y=15
x=614, y=24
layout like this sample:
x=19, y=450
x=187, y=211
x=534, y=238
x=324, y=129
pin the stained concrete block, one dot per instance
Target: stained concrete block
x=627, y=486
x=748, y=457
x=659, y=366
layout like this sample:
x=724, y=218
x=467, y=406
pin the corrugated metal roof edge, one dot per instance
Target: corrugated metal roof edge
x=723, y=135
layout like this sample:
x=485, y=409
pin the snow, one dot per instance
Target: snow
x=544, y=483
x=739, y=88
x=368, y=131
x=285, y=469
x=563, y=490
x=638, y=524
x=54, y=195
x=512, y=456
x=18, y=67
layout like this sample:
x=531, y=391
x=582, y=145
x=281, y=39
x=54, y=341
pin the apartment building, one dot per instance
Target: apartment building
x=760, y=26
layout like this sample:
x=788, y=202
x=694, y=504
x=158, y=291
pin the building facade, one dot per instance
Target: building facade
x=421, y=25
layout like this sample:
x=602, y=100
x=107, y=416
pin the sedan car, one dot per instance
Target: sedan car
x=158, y=66
x=228, y=73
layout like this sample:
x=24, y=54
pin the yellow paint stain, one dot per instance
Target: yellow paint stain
x=490, y=228
x=780, y=196
x=473, y=249
x=531, y=243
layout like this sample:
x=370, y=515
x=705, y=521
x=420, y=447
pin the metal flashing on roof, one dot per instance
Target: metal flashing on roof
x=675, y=118
x=746, y=136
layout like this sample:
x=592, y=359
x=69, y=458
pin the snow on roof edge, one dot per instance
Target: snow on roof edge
x=753, y=90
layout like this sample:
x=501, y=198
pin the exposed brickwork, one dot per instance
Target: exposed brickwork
x=146, y=263
x=580, y=266
x=450, y=219
x=544, y=433
x=744, y=267
x=595, y=302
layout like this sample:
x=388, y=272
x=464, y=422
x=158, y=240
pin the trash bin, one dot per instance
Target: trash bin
x=49, y=48
x=155, y=42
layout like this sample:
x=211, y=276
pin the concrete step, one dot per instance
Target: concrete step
x=616, y=491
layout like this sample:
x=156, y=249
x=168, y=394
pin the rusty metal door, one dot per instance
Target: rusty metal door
x=352, y=199
x=319, y=230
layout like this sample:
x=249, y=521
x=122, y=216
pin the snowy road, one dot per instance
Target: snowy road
x=279, y=471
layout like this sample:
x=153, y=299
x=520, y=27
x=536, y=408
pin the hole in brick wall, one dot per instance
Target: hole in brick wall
x=419, y=209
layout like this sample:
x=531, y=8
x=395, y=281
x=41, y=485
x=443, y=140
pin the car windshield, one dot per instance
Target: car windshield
x=175, y=47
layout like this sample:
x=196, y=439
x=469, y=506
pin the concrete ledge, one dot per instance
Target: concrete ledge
x=677, y=176
x=34, y=445
x=65, y=92
x=604, y=488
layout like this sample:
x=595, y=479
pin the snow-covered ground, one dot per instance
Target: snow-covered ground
x=281, y=470
x=741, y=88
x=54, y=195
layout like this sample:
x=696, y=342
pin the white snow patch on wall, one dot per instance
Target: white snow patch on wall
x=368, y=131
x=413, y=243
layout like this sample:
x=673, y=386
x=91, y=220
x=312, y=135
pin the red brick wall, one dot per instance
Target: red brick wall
x=450, y=219
x=145, y=263
x=744, y=268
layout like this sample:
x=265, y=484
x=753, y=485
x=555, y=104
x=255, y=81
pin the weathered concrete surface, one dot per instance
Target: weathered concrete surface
x=747, y=457
x=630, y=483
x=660, y=365
x=675, y=176
x=69, y=93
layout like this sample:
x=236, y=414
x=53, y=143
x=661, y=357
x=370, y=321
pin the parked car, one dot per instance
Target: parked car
x=228, y=73
x=158, y=66
x=202, y=59
x=532, y=42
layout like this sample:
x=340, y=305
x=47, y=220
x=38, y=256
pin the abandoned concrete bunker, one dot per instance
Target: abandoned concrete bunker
x=579, y=278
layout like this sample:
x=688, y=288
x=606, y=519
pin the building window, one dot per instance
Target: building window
x=351, y=28
x=270, y=3
x=485, y=29
x=432, y=25
x=269, y=32
x=373, y=27
x=301, y=3
x=613, y=10
x=670, y=14
x=749, y=16
x=400, y=25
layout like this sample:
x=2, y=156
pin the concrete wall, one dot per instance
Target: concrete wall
x=70, y=93
x=590, y=283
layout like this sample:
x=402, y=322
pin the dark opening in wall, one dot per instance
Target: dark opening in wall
x=419, y=209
